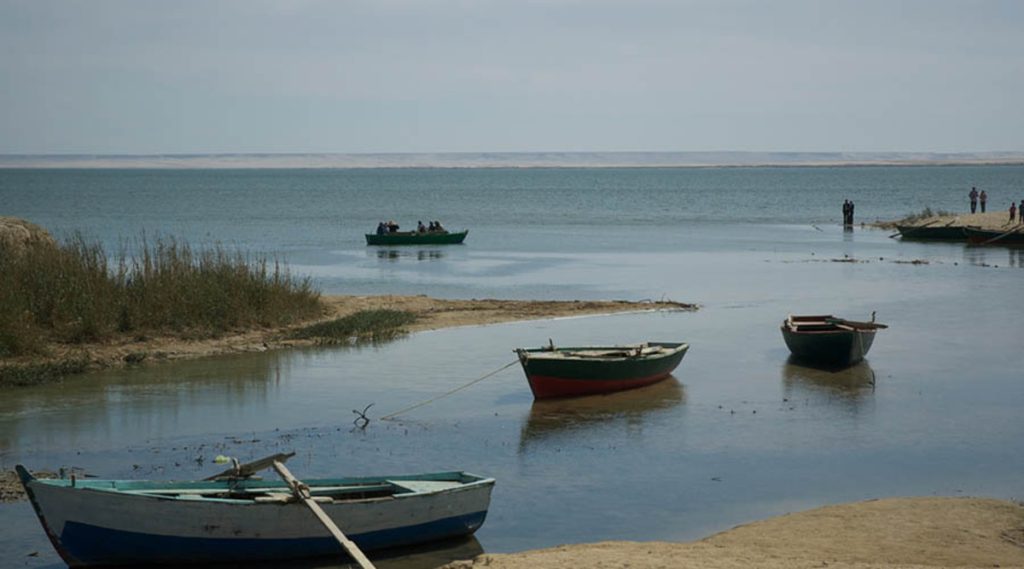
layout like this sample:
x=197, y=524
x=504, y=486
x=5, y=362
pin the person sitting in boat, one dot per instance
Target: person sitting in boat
x=420, y=227
x=381, y=228
x=392, y=227
x=437, y=226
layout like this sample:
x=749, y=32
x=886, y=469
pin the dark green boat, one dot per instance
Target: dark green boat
x=828, y=340
x=417, y=238
x=926, y=232
x=566, y=372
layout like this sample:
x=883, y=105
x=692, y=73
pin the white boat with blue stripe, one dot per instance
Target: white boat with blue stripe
x=229, y=519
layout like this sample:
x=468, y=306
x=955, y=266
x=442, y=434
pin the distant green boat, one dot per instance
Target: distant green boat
x=417, y=238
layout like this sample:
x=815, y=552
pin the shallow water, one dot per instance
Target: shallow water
x=740, y=433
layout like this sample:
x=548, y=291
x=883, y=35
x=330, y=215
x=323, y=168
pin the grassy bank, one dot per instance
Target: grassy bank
x=363, y=326
x=75, y=292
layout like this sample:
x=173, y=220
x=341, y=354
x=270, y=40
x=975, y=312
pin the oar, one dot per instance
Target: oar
x=301, y=492
x=1010, y=232
x=249, y=468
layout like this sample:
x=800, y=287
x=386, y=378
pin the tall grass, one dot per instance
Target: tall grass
x=75, y=292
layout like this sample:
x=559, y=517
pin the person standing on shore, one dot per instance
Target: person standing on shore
x=1020, y=211
x=974, y=198
x=1013, y=211
x=851, y=213
x=982, y=198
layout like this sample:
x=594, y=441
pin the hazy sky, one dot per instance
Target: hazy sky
x=202, y=76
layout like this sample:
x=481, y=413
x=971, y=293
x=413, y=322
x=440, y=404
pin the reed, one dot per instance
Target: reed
x=925, y=214
x=75, y=292
x=363, y=326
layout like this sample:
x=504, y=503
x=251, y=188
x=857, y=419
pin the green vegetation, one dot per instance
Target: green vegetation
x=35, y=374
x=363, y=326
x=74, y=292
x=925, y=214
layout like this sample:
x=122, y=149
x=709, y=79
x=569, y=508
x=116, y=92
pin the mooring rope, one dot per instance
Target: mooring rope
x=446, y=394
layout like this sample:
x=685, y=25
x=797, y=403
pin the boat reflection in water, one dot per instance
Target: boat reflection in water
x=852, y=383
x=394, y=255
x=551, y=418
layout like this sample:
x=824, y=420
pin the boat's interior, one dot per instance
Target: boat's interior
x=252, y=491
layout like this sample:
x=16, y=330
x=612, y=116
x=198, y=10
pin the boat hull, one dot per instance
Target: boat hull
x=91, y=526
x=977, y=236
x=415, y=238
x=939, y=233
x=829, y=347
x=551, y=377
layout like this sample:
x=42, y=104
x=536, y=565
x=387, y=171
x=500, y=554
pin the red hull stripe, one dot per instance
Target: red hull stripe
x=545, y=386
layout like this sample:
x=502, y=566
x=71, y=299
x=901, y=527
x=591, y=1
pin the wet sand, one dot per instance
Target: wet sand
x=891, y=533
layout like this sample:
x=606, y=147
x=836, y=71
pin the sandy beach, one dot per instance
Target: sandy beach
x=892, y=533
x=990, y=220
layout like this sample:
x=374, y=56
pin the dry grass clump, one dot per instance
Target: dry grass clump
x=74, y=292
x=363, y=326
x=926, y=213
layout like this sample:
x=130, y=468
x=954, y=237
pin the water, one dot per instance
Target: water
x=739, y=434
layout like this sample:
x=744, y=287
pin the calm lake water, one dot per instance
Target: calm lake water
x=738, y=434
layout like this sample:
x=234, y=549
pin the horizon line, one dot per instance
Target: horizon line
x=513, y=159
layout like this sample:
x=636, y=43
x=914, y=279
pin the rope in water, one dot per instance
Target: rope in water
x=446, y=394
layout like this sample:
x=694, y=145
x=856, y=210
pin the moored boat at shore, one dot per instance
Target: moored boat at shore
x=417, y=238
x=828, y=340
x=589, y=370
x=230, y=520
x=979, y=236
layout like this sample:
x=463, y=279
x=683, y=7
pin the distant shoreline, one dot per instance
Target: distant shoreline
x=506, y=160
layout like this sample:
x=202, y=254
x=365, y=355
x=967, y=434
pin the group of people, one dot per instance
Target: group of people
x=1014, y=210
x=981, y=198
x=976, y=198
x=847, y=212
x=434, y=226
x=390, y=226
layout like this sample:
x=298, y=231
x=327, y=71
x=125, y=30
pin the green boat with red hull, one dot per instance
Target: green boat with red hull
x=589, y=370
x=828, y=340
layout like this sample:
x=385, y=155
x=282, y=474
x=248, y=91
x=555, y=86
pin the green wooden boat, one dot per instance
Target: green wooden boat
x=926, y=232
x=417, y=238
x=826, y=339
x=589, y=370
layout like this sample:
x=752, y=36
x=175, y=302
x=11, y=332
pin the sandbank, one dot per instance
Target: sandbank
x=991, y=221
x=893, y=533
x=432, y=313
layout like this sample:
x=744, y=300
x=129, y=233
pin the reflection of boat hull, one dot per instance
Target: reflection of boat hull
x=848, y=380
x=112, y=522
x=980, y=236
x=416, y=238
x=930, y=233
x=828, y=340
x=567, y=372
x=549, y=417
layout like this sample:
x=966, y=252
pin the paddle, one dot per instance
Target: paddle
x=249, y=468
x=1010, y=232
x=301, y=492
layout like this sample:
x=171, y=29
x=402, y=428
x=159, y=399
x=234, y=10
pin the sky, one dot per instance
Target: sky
x=354, y=76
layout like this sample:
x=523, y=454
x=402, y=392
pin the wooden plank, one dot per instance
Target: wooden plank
x=301, y=492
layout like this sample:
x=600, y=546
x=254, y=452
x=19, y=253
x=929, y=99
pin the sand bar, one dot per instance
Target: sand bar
x=433, y=313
